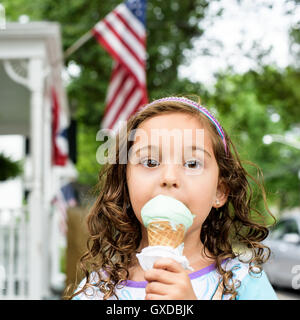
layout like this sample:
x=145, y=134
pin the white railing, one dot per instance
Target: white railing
x=14, y=233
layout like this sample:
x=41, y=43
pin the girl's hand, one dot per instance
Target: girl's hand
x=168, y=281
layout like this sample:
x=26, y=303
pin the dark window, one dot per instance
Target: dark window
x=283, y=227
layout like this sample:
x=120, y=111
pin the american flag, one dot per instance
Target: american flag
x=59, y=132
x=65, y=198
x=123, y=35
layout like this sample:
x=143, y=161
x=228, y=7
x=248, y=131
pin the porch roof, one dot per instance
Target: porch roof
x=18, y=44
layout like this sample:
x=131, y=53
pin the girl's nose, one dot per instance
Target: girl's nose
x=169, y=177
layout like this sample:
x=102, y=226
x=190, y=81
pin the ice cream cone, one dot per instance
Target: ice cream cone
x=161, y=233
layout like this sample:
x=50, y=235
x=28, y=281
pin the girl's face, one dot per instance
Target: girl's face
x=165, y=169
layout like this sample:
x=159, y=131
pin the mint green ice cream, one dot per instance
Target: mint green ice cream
x=167, y=208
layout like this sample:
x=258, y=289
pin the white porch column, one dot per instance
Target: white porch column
x=47, y=190
x=36, y=238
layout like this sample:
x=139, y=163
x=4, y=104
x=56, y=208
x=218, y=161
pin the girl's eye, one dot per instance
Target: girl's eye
x=149, y=163
x=194, y=164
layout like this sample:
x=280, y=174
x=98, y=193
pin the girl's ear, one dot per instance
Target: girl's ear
x=221, y=195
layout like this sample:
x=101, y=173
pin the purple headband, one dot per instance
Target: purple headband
x=198, y=107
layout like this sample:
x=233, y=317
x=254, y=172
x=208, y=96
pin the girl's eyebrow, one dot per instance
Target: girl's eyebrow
x=147, y=147
x=193, y=147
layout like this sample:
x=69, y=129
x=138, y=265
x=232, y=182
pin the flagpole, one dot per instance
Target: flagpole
x=80, y=42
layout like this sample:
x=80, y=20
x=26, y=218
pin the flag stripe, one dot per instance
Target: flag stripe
x=134, y=100
x=132, y=106
x=119, y=99
x=127, y=36
x=124, y=104
x=121, y=38
x=117, y=91
x=123, y=35
x=59, y=127
x=115, y=82
x=131, y=20
x=140, y=39
x=119, y=52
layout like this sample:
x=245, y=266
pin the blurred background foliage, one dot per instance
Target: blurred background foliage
x=9, y=168
x=249, y=105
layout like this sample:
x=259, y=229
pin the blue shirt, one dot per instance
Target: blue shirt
x=204, y=282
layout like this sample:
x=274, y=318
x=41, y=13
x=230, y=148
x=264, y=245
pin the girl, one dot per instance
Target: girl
x=223, y=245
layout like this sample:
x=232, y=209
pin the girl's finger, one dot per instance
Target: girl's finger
x=168, y=264
x=152, y=296
x=160, y=275
x=155, y=287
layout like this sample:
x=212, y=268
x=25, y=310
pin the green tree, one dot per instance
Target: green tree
x=9, y=169
x=255, y=104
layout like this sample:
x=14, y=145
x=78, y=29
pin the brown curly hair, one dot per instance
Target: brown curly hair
x=115, y=232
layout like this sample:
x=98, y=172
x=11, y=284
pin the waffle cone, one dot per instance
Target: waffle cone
x=161, y=233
